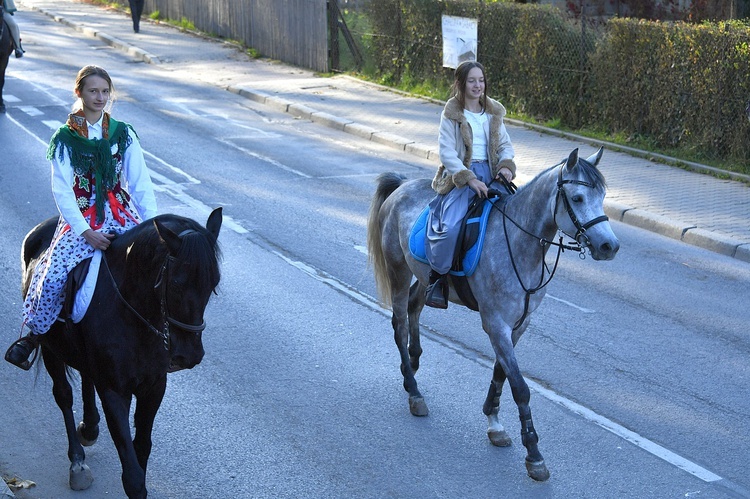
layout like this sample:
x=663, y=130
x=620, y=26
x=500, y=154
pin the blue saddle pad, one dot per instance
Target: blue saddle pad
x=471, y=257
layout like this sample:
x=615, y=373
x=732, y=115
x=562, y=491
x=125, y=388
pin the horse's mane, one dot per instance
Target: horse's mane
x=592, y=174
x=146, y=251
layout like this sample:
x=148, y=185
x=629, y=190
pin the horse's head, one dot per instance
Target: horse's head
x=579, y=206
x=188, y=277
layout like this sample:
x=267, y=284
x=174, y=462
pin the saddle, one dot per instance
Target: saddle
x=468, y=245
x=79, y=289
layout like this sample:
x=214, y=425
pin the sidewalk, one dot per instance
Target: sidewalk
x=698, y=209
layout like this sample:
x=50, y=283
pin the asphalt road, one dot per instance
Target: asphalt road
x=638, y=366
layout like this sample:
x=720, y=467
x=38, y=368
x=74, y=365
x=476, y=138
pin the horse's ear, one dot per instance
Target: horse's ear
x=171, y=239
x=213, y=225
x=596, y=157
x=572, y=159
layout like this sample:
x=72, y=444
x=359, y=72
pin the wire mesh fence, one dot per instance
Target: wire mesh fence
x=672, y=85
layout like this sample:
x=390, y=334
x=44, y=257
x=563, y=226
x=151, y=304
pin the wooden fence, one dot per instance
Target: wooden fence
x=292, y=31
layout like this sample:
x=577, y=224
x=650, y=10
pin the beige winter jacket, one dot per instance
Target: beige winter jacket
x=455, y=143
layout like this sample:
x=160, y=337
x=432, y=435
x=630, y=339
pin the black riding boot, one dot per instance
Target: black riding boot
x=437, y=291
x=19, y=352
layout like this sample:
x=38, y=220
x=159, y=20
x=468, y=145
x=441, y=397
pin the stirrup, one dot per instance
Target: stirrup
x=438, y=286
x=26, y=363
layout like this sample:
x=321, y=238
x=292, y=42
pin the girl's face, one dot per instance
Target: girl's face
x=94, y=95
x=474, y=85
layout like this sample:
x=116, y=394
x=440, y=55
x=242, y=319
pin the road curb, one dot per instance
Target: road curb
x=135, y=52
x=689, y=234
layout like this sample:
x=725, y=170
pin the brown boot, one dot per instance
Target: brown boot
x=19, y=352
x=437, y=291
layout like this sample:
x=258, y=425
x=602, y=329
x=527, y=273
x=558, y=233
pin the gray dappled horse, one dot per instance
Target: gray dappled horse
x=507, y=284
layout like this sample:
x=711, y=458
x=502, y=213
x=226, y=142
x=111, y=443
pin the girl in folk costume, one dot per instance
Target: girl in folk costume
x=474, y=150
x=101, y=187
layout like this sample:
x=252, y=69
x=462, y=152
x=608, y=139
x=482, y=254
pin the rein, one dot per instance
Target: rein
x=580, y=232
x=580, y=228
x=161, y=282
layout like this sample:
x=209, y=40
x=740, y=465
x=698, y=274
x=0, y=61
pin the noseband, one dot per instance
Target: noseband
x=580, y=228
x=161, y=284
x=580, y=233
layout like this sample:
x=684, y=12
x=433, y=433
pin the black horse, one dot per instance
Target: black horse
x=6, y=48
x=145, y=320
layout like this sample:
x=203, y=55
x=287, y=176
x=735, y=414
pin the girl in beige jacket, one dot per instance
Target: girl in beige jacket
x=474, y=150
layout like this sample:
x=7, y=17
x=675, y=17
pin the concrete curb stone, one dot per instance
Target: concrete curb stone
x=687, y=233
x=718, y=243
x=655, y=223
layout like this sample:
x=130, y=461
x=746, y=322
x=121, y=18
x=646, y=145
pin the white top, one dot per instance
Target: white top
x=135, y=180
x=479, y=139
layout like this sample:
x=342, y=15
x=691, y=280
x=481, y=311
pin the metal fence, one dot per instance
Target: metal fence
x=661, y=85
x=293, y=31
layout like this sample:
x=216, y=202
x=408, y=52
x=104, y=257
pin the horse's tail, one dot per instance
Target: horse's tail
x=387, y=183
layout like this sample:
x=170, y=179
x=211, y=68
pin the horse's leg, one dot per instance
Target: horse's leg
x=400, y=320
x=146, y=406
x=80, y=477
x=117, y=412
x=416, y=304
x=88, y=429
x=495, y=431
x=501, y=338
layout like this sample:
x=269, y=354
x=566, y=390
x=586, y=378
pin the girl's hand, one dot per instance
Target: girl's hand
x=505, y=172
x=98, y=240
x=479, y=187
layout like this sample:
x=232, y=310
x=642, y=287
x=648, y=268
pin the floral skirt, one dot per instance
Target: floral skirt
x=46, y=293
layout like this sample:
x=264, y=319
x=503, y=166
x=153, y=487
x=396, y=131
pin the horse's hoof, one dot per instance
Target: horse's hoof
x=93, y=435
x=537, y=471
x=499, y=438
x=417, y=406
x=80, y=477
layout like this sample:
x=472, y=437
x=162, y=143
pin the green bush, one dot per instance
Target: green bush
x=681, y=85
x=676, y=86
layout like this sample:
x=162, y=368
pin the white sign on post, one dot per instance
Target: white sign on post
x=459, y=40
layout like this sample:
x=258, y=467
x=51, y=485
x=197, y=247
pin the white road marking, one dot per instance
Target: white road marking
x=19, y=125
x=631, y=436
x=566, y=302
x=587, y=414
x=175, y=169
x=266, y=159
x=31, y=110
x=176, y=190
x=53, y=124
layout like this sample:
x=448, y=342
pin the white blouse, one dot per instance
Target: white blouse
x=135, y=180
x=479, y=134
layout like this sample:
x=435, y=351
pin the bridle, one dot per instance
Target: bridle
x=580, y=228
x=578, y=246
x=162, y=280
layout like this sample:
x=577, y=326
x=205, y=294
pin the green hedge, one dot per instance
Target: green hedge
x=676, y=85
x=682, y=85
